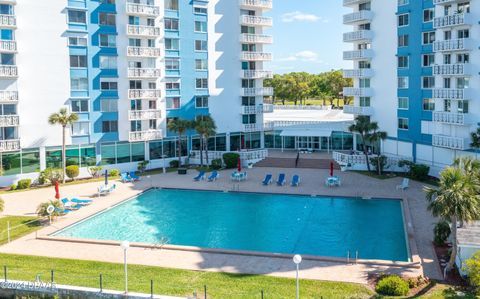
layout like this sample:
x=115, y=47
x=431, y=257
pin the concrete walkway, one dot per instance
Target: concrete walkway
x=354, y=184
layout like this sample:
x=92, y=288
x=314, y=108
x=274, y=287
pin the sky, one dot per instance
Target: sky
x=307, y=36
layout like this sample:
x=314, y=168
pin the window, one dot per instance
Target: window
x=108, y=105
x=173, y=103
x=428, y=60
x=79, y=105
x=77, y=16
x=248, y=101
x=108, y=85
x=78, y=61
x=109, y=126
x=447, y=105
x=171, y=4
x=107, y=40
x=402, y=2
x=403, y=20
x=428, y=38
x=402, y=82
x=463, y=58
x=428, y=104
x=403, y=40
x=464, y=33
x=80, y=128
x=462, y=107
x=428, y=15
x=79, y=84
x=172, y=85
x=8, y=109
x=364, y=101
x=107, y=19
x=77, y=41
x=428, y=82
x=403, y=62
x=403, y=103
x=201, y=64
x=172, y=64
x=172, y=44
x=201, y=83
x=363, y=83
x=200, y=10
x=249, y=119
x=463, y=83
x=201, y=102
x=107, y=1
x=201, y=45
x=108, y=62
x=403, y=123
x=200, y=26
x=171, y=24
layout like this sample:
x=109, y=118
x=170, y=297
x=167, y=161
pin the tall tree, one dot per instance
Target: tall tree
x=369, y=132
x=205, y=126
x=180, y=127
x=65, y=119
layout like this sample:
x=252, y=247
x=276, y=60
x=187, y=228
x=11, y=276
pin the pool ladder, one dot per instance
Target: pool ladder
x=236, y=187
x=351, y=260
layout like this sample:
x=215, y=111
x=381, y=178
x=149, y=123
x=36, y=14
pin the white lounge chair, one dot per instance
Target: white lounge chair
x=404, y=185
x=106, y=189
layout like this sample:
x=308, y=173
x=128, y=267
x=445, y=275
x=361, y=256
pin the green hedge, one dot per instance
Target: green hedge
x=392, y=286
x=231, y=160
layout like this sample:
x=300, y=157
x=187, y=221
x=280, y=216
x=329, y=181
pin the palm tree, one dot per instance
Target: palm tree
x=368, y=131
x=2, y=205
x=374, y=137
x=180, y=127
x=205, y=126
x=456, y=200
x=63, y=118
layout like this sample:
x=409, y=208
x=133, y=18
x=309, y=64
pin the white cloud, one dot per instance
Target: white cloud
x=306, y=55
x=298, y=16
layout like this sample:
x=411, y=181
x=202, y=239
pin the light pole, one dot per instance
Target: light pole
x=125, y=245
x=164, y=167
x=297, y=259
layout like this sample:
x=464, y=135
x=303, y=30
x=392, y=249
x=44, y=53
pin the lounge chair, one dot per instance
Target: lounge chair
x=281, y=179
x=84, y=202
x=125, y=178
x=133, y=176
x=62, y=212
x=200, y=176
x=267, y=180
x=295, y=181
x=214, y=176
x=67, y=204
x=404, y=185
x=106, y=189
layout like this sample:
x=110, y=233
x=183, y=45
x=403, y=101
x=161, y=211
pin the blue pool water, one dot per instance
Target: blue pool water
x=256, y=222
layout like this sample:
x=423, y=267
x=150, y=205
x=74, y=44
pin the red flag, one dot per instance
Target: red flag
x=239, y=167
x=331, y=168
x=57, y=190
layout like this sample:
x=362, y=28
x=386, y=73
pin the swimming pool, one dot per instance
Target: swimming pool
x=320, y=226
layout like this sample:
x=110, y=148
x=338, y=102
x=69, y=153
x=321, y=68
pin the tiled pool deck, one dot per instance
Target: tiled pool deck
x=354, y=185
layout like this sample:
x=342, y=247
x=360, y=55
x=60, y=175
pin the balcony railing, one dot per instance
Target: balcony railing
x=8, y=71
x=9, y=120
x=455, y=143
x=143, y=9
x=144, y=73
x=252, y=127
x=358, y=73
x=259, y=91
x=450, y=118
x=354, y=2
x=144, y=114
x=8, y=21
x=255, y=21
x=143, y=52
x=8, y=96
x=442, y=2
x=460, y=69
x=358, y=54
x=360, y=35
x=452, y=20
x=144, y=93
x=359, y=16
x=138, y=30
x=253, y=74
x=256, y=38
x=256, y=56
x=145, y=135
x=462, y=44
x=451, y=94
x=263, y=4
x=8, y=46
x=259, y=109
x=357, y=110
x=357, y=92
x=9, y=145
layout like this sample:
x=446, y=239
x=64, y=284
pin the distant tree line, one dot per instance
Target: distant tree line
x=300, y=87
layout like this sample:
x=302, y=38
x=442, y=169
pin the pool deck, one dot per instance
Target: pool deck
x=354, y=185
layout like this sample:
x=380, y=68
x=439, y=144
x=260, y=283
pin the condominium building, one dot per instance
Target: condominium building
x=414, y=73
x=127, y=68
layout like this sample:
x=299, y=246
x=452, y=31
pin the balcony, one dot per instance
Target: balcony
x=358, y=36
x=8, y=96
x=247, y=20
x=357, y=110
x=256, y=56
x=354, y=2
x=358, y=17
x=12, y=2
x=9, y=21
x=461, y=69
x=145, y=135
x=147, y=31
x=144, y=73
x=451, y=94
x=143, y=52
x=8, y=46
x=357, y=92
x=143, y=10
x=455, y=143
x=358, y=54
x=253, y=74
x=462, y=44
x=259, y=91
x=256, y=38
x=9, y=120
x=144, y=114
x=358, y=73
x=9, y=145
x=252, y=128
x=259, y=109
x=256, y=4
x=453, y=20
x=144, y=93
x=443, y=2
x=460, y=119
x=8, y=71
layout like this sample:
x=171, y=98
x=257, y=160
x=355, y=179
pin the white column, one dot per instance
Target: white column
x=43, y=158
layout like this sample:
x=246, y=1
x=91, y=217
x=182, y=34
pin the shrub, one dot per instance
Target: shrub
x=419, y=172
x=142, y=166
x=392, y=286
x=472, y=267
x=174, y=164
x=50, y=176
x=72, y=171
x=231, y=160
x=382, y=160
x=42, y=208
x=216, y=164
x=24, y=184
x=441, y=233
x=2, y=205
x=13, y=187
x=95, y=171
x=114, y=172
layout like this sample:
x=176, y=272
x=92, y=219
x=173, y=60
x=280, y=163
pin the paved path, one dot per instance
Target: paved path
x=353, y=185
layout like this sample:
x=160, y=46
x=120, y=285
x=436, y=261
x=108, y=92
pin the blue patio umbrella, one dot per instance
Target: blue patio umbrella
x=106, y=177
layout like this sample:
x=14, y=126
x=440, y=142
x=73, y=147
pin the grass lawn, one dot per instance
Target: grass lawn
x=19, y=227
x=314, y=102
x=173, y=282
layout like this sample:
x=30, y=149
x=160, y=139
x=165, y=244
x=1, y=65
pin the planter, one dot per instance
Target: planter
x=182, y=171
